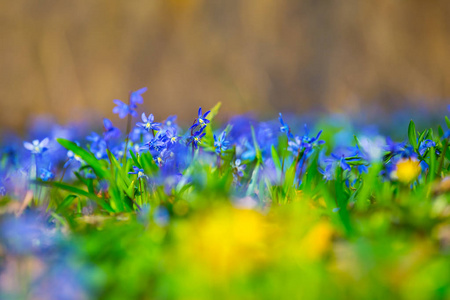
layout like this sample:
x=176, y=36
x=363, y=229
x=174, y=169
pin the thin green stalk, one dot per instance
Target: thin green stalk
x=124, y=158
x=140, y=191
x=441, y=162
x=63, y=173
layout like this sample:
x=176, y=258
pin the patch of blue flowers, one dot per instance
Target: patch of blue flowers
x=148, y=168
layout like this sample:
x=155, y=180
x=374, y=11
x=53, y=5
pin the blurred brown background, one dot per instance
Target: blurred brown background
x=65, y=57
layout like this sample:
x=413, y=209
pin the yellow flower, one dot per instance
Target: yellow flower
x=317, y=241
x=229, y=240
x=408, y=169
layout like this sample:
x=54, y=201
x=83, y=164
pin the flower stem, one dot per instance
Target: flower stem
x=441, y=162
x=124, y=158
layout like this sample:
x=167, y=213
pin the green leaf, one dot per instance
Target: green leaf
x=65, y=203
x=276, y=158
x=119, y=168
x=135, y=160
x=440, y=131
x=255, y=144
x=433, y=164
x=253, y=180
x=214, y=111
x=77, y=191
x=276, y=161
x=422, y=136
x=412, y=135
x=88, y=157
x=148, y=163
x=447, y=121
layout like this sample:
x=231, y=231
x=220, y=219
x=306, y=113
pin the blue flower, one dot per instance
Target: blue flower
x=393, y=147
x=28, y=234
x=245, y=150
x=425, y=145
x=110, y=131
x=170, y=121
x=72, y=157
x=93, y=137
x=124, y=109
x=46, y=175
x=284, y=127
x=163, y=156
x=220, y=143
x=172, y=138
x=238, y=168
x=147, y=123
x=99, y=149
x=328, y=173
x=155, y=144
x=136, y=97
x=37, y=147
x=196, y=138
x=201, y=119
x=304, y=143
x=139, y=172
x=340, y=160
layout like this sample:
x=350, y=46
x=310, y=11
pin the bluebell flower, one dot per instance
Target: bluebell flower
x=196, y=138
x=425, y=145
x=147, y=123
x=304, y=143
x=155, y=144
x=362, y=169
x=139, y=172
x=245, y=150
x=136, y=96
x=284, y=127
x=36, y=146
x=170, y=121
x=172, y=138
x=124, y=109
x=136, y=134
x=110, y=132
x=371, y=149
x=340, y=160
x=201, y=120
x=328, y=172
x=393, y=147
x=238, y=168
x=72, y=157
x=163, y=156
x=46, y=174
x=99, y=149
x=93, y=137
x=220, y=143
x=407, y=152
